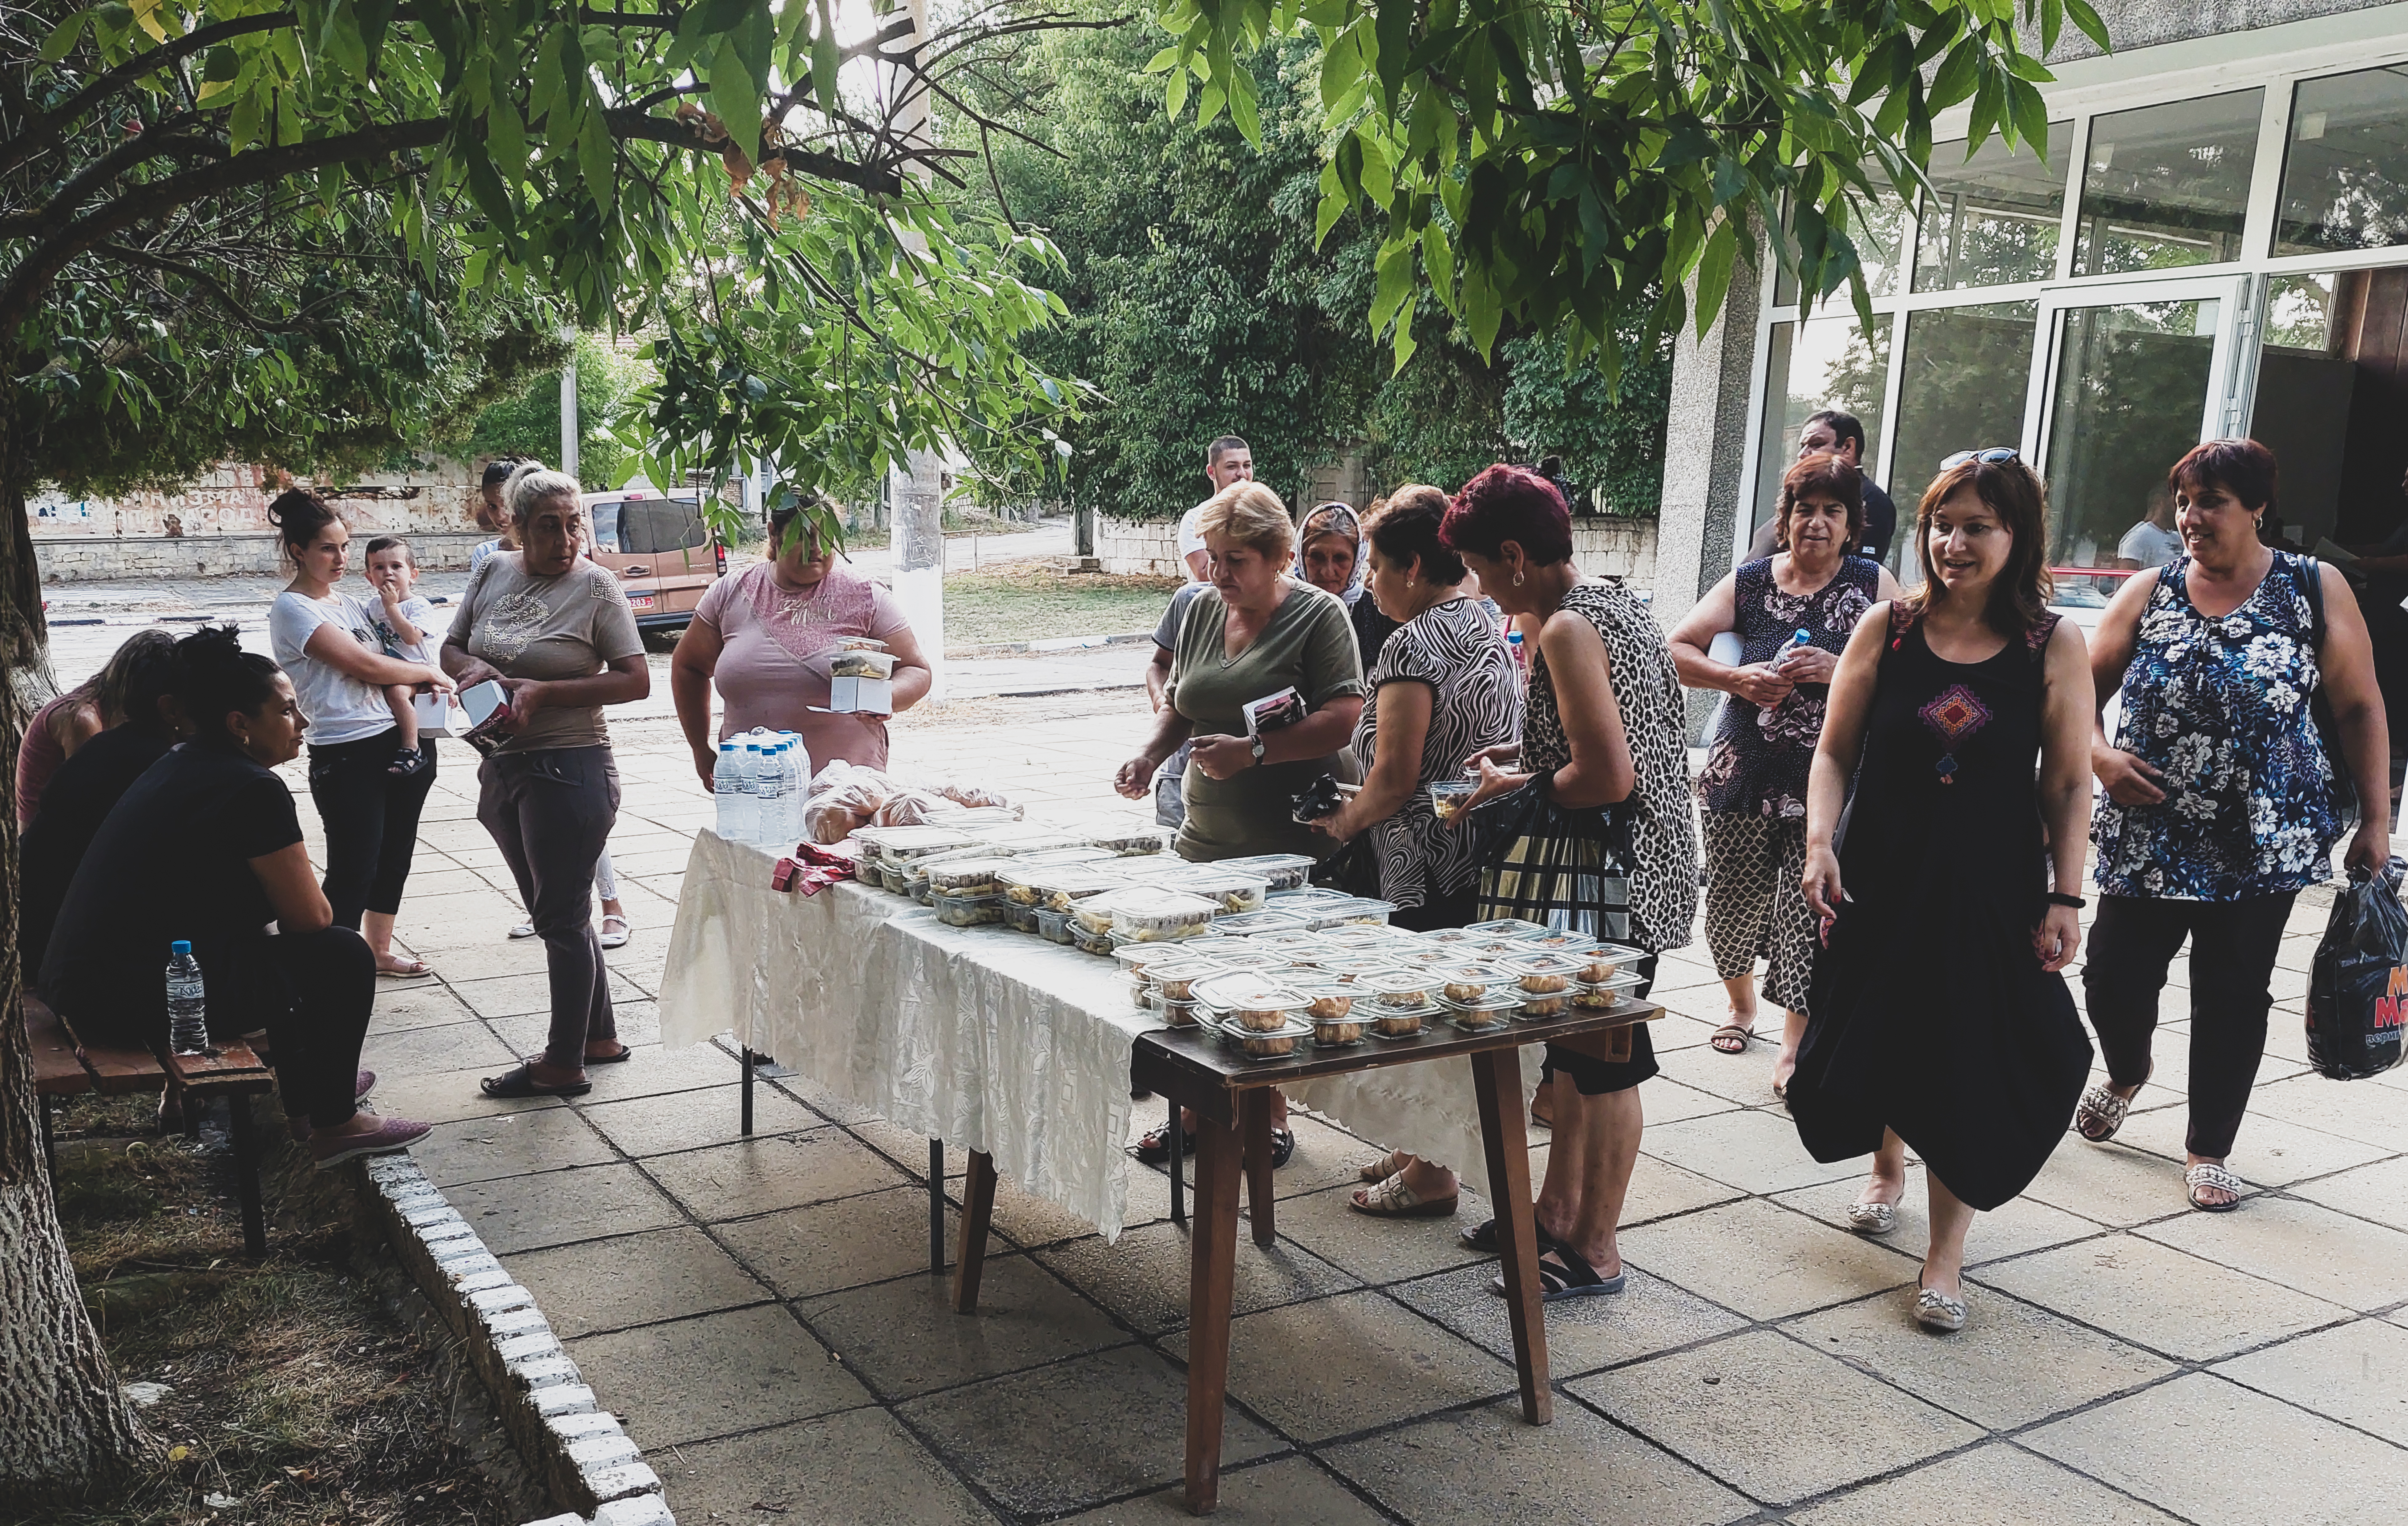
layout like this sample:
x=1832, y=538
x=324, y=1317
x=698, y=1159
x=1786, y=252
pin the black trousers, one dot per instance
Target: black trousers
x=551, y=813
x=2232, y=948
x=313, y=991
x=371, y=820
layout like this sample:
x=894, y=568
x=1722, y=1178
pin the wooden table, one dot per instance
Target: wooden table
x=1231, y=1097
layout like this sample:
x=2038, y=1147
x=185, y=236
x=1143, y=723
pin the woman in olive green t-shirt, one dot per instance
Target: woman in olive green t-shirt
x=1253, y=633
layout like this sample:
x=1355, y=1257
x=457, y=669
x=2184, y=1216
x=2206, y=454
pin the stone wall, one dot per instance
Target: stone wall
x=218, y=524
x=1622, y=548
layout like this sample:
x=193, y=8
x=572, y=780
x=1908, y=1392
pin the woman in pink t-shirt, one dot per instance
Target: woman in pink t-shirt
x=768, y=634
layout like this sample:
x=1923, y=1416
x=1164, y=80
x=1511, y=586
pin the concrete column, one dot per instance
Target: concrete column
x=568, y=430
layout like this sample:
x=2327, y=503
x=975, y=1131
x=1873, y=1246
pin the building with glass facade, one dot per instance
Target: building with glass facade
x=2216, y=242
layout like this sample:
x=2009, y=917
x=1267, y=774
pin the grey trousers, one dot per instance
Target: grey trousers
x=551, y=813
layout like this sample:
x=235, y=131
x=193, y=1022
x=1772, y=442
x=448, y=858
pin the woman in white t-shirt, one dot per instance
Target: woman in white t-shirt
x=326, y=643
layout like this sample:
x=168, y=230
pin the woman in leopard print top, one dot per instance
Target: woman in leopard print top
x=1603, y=722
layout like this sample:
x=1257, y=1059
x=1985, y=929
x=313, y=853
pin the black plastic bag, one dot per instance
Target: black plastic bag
x=2358, y=984
x=1554, y=865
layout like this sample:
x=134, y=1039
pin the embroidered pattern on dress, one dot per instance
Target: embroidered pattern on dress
x=1953, y=715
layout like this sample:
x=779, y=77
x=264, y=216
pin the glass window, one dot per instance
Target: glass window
x=1960, y=387
x=2167, y=185
x=1880, y=250
x=1995, y=220
x=2131, y=390
x=1825, y=362
x=2346, y=173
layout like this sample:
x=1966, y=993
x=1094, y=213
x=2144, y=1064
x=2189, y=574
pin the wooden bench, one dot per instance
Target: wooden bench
x=64, y=1066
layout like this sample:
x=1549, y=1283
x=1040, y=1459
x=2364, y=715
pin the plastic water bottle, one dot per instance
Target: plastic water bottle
x=757, y=769
x=1520, y=654
x=776, y=790
x=733, y=791
x=188, y=1006
x=1799, y=640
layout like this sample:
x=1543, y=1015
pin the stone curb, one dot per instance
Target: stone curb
x=1043, y=645
x=577, y=1448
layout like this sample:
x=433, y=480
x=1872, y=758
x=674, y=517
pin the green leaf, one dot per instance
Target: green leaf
x=2087, y=20
x=597, y=160
x=1394, y=35
x=1395, y=283
x=736, y=96
x=1715, y=272
x=1167, y=59
x=1174, y=95
x=1438, y=262
x=2030, y=116
x=1957, y=75
x=63, y=37
x=827, y=61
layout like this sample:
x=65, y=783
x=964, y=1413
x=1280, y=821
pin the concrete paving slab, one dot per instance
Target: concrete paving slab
x=1993, y=1485
x=452, y=1046
x=636, y=1279
x=1378, y=1250
x=1764, y=1261
x=400, y=1007
x=858, y=1467
x=1289, y=1491
x=2379, y=1191
x=2011, y=1364
x=2213, y=1452
x=443, y=1096
x=643, y=1125
x=903, y=1338
x=1347, y=1364
x=2012, y=1229
x=2160, y=1298
x=1142, y=1278
x=2355, y=1372
x=1583, y=1334
x=716, y=1374
x=505, y=1144
x=1752, y=1150
x=2269, y=1152
x=827, y=1248
x=767, y=1173
x=1777, y=1420
x=655, y=1072
x=1077, y=1433
x=2111, y=1184
x=2301, y=1246
x=589, y=1202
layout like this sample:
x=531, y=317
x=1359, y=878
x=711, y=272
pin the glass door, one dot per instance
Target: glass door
x=2129, y=376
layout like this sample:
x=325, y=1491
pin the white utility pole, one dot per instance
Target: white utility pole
x=919, y=523
x=568, y=410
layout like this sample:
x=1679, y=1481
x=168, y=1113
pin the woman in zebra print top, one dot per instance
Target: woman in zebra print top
x=1443, y=691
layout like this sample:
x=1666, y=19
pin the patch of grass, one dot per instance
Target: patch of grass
x=294, y=1392
x=1024, y=601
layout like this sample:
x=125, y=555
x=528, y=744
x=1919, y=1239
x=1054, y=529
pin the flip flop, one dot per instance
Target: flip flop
x=1483, y=1236
x=1731, y=1031
x=625, y=1054
x=412, y=970
x=521, y=1082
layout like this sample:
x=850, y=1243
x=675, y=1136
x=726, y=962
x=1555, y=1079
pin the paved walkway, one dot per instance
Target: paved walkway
x=761, y=1315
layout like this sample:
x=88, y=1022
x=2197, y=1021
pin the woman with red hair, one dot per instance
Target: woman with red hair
x=1602, y=724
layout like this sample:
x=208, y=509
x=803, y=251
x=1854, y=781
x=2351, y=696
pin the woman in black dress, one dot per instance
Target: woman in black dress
x=1938, y=1020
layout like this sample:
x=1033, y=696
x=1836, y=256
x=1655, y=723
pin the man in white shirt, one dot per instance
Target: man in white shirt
x=1226, y=460
x=2154, y=541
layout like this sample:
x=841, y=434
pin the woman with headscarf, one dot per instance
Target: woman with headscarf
x=1330, y=552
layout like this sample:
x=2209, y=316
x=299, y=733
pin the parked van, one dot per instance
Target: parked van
x=661, y=548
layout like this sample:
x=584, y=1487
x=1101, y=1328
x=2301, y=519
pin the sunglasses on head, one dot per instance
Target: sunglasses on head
x=1991, y=457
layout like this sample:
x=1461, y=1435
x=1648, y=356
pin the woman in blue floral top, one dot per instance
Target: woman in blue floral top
x=2220, y=800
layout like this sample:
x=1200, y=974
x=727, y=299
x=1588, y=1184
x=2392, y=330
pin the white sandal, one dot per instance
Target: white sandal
x=2207, y=1174
x=1873, y=1217
x=1935, y=1310
x=525, y=930
x=618, y=938
x=2100, y=1105
x=1386, y=1166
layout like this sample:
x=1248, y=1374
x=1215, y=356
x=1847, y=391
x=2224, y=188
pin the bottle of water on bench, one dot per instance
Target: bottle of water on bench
x=188, y=1014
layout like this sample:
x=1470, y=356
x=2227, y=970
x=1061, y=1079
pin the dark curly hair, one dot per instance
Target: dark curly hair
x=1405, y=525
x=215, y=677
x=298, y=515
x=2242, y=467
x=1823, y=476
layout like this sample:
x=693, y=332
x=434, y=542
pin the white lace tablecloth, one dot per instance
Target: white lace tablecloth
x=986, y=1038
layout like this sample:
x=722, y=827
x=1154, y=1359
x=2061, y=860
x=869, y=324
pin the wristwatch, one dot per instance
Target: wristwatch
x=1258, y=752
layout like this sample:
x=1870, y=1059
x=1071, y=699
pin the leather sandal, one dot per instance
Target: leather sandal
x=2207, y=1175
x=2101, y=1112
x=1393, y=1199
x=1563, y=1274
x=1738, y=1039
x=520, y=1082
x=1386, y=1166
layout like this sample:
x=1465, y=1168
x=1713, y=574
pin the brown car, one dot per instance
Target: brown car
x=662, y=552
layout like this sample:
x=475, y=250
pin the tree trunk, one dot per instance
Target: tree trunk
x=65, y=1425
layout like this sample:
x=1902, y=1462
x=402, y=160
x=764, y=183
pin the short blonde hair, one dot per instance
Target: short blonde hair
x=1252, y=515
x=533, y=484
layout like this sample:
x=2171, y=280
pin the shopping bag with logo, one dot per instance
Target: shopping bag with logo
x=1550, y=864
x=2358, y=983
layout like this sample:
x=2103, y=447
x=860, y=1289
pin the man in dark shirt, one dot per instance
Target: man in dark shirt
x=83, y=792
x=1831, y=432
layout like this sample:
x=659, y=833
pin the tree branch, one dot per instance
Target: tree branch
x=43, y=131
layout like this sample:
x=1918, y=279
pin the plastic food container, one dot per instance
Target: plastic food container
x=909, y=842
x=1089, y=942
x=1019, y=917
x=1546, y=974
x=1285, y=871
x=967, y=911
x=1554, y=1005
x=1130, y=842
x=1174, y=1013
x=1250, y=1000
x=1277, y=1043
x=1328, y=1001
x=1092, y=915
x=1257, y=924
x=1484, y=1015
x=1303, y=896
x=1510, y=927
x=1053, y=925
x=1448, y=795
x=1398, y=988
x=854, y=663
x=1353, y=912
x=1604, y=961
x=1471, y=982
x=1605, y=995
x=1231, y=891
x=1401, y=1022
x=1177, y=978
x=1337, y=1033
x=1165, y=917
x=964, y=876
x=895, y=875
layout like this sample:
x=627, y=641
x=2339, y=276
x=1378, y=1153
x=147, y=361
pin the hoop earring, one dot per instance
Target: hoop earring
x=1517, y=580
